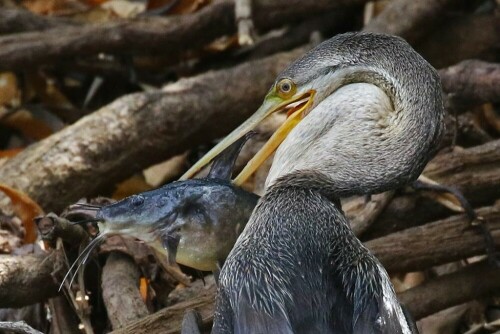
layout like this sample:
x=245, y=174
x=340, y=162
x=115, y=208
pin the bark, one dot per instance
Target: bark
x=173, y=35
x=463, y=37
x=473, y=171
x=410, y=19
x=443, y=241
x=472, y=80
x=120, y=290
x=474, y=281
x=137, y=131
x=18, y=327
x=169, y=320
x=51, y=227
x=25, y=280
x=18, y=20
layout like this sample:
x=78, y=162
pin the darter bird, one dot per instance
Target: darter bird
x=365, y=115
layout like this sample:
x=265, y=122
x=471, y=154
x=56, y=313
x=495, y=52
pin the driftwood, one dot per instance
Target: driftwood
x=120, y=289
x=443, y=241
x=474, y=171
x=463, y=37
x=473, y=282
x=168, y=320
x=402, y=17
x=18, y=327
x=17, y=20
x=172, y=35
x=472, y=80
x=28, y=279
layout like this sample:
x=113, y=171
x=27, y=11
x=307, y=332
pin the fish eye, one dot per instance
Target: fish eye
x=285, y=88
x=137, y=200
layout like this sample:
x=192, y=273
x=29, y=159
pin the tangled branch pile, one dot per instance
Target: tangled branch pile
x=94, y=104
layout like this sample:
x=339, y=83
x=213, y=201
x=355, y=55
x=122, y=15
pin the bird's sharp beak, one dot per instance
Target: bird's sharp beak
x=295, y=107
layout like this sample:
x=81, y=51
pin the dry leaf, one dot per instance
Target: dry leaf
x=144, y=288
x=54, y=7
x=135, y=184
x=47, y=91
x=26, y=209
x=10, y=153
x=28, y=125
x=10, y=95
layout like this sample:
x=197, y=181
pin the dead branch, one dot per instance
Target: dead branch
x=18, y=327
x=243, y=14
x=120, y=290
x=19, y=20
x=363, y=214
x=174, y=34
x=29, y=279
x=169, y=320
x=472, y=80
x=435, y=243
x=474, y=171
x=473, y=282
x=52, y=227
x=139, y=130
x=463, y=37
x=408, y=18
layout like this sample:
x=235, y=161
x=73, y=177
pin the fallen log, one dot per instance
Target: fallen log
x=472, y=81
x=21, y=20
x=474, y=281
x=28, y=279
x=474, y=171
x=443, y=241
x=408, y=18
x=150, y=36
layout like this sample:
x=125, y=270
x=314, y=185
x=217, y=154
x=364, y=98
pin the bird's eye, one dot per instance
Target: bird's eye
x=137, y=200
x=285, y=88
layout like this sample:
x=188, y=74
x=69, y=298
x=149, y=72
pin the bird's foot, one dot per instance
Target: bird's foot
x=453, y=199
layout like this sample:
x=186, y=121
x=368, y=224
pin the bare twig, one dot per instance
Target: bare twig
x=243, y=14
x=120, y=290
x=19, y=20
x=18, y=327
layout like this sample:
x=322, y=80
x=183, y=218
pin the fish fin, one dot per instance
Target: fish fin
x=170, y=243
x=223, y=164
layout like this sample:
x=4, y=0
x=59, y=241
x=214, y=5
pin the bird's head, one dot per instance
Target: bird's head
x=363, y=109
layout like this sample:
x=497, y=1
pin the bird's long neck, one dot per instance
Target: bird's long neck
x=299, y=214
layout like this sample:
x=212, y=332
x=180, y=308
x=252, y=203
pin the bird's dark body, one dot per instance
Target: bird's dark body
x=306, y=273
